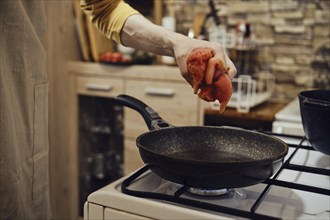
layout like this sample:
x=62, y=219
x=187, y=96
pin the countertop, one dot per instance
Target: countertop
x=265, y=111
x=259, y=117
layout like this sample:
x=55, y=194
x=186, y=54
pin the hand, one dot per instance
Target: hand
x=184, y=45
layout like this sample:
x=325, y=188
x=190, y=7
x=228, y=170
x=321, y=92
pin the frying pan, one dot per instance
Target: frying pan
x=205, y=156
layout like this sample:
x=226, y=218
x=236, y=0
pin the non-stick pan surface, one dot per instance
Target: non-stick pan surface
x=206, y=157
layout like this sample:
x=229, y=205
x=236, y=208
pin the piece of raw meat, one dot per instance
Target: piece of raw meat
x=209, y=77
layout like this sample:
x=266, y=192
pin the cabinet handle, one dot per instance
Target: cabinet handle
x=99, y=87
x=159, y=91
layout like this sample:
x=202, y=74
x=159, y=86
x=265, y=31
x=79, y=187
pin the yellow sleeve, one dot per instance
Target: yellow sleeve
x=109, y=16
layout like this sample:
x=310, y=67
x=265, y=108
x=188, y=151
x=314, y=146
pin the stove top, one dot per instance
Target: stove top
x=299, y=190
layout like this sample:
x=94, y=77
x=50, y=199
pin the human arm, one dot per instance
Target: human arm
x=140, y=33
x=123, y=24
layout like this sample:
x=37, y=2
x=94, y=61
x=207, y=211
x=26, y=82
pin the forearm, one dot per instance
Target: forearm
x=140, y=33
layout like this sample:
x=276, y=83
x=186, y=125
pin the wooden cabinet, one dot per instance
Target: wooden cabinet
x=88, y=79
x=160, y=87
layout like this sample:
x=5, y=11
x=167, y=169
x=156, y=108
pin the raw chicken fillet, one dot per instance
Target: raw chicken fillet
x=209, y=77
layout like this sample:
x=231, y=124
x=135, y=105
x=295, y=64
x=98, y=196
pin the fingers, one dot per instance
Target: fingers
x=210, y=70
x=232, y=69
x=216, y=66
x=219, y=53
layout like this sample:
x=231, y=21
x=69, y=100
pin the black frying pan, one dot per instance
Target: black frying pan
x=205, y=156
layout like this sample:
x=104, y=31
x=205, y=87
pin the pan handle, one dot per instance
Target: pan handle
x=152, y=119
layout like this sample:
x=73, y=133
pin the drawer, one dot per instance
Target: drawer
x=99, y=86
x=174, y=102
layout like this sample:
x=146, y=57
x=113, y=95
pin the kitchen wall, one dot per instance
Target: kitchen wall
x=288, y=35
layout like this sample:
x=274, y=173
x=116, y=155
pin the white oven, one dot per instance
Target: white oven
x=300, y=190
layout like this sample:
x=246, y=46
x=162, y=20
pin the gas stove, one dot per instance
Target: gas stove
x=299, y=190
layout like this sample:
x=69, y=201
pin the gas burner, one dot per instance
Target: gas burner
x=208, y=192
x=235, y=193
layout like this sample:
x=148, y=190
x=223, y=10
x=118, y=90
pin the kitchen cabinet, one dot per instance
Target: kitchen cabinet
x=86, y=81
x=160, y=87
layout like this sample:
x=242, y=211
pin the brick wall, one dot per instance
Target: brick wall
x=288, y=35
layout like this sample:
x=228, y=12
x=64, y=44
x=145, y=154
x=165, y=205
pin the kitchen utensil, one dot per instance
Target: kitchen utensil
x=315, y=115
x=205, y=156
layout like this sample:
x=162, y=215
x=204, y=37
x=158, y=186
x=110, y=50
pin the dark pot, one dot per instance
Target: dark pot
x=315, y=114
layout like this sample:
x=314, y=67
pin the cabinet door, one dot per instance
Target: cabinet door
x=104, y=87
x=174, y=102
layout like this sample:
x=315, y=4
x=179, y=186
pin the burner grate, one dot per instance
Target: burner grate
x=176, y=198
